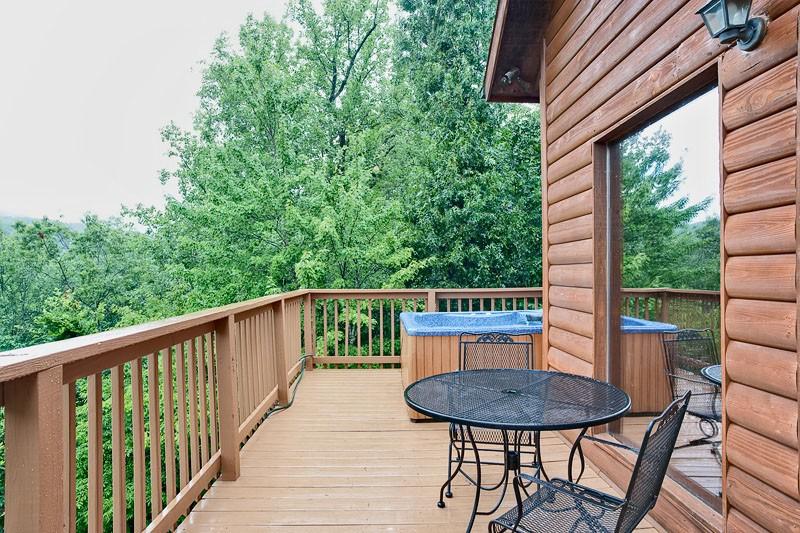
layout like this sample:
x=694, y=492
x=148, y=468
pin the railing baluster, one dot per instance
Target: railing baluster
x=183, y=448
x=70, y=496
x=336, y=328
x=118, y=427
x=193, y=439
x=369, y=327
x=380, y=325
x=169, y=425
x=325, y=328
x=358, y=327
x=155, y=434
x=201, y=381
x=212, y=389
x=391, y=323
x=346, y=327
x=94, y=393
x=137, y=393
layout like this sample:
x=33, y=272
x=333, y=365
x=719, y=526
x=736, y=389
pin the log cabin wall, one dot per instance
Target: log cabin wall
x=604, y=62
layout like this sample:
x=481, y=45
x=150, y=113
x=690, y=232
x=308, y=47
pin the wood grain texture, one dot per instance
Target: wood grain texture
x=764, y=95
x=559, y=55
x=574, y=229
x=611, y=107
x=768, y=369
x=644, y=376
x=768, y=231
x=572, y=207
x=761, y=322
x=575, y=160
x=660, y=21
x=572, y=343
x=571, y=25
x=767, y=414
x=766, y=140
x=766, y=506
x=558, y=78
x=761, y=277
x=767, y=460
x=574, y=298
x=580, y=275
x=576, y=321
x=564, y=362
x=761, y=187
x=577, y=182
x=778, y=45
x=737, y=522
x=366, y=467
x=570, y=253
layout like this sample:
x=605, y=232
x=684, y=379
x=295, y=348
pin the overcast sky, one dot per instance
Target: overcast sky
x=88, y=84
x=86, y=87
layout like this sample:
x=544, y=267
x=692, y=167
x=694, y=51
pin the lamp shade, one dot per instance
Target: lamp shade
x=714, y=17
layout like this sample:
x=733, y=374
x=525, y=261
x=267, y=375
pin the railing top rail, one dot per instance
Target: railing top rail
x=25, y=361
x=662, y=290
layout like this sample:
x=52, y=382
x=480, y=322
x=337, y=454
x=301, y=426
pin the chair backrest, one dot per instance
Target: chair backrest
x=652, y=463
x=686, y=352
x=494, y=350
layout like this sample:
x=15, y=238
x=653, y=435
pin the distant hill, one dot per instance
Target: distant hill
x=7, y=222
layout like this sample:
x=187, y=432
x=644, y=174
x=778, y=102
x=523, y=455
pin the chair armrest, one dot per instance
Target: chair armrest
x=580, y=492
x=611, y=443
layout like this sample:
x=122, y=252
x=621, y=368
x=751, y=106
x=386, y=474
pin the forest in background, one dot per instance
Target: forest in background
x=349, y=147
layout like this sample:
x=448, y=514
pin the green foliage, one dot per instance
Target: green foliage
x=662, y=246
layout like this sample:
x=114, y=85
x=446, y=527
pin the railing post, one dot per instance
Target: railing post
x=431, y=303
x=34, y=438
x=280, y=351
x=665, y=306
x=310, y=330
x=228, y=398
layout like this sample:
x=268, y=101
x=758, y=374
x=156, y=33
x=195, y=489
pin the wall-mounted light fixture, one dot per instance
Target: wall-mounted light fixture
x=729, y=20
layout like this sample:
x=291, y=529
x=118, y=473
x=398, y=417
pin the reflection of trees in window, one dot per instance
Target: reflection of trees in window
x=664, y=246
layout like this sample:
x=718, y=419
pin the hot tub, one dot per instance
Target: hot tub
x=429, y=345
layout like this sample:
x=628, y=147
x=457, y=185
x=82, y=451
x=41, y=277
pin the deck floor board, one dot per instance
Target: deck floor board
x=346, y=457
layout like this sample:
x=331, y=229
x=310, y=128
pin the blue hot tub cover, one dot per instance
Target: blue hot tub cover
x=511, y=322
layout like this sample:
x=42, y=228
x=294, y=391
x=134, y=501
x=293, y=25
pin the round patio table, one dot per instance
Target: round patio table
x=513, y=400
x=713, y=374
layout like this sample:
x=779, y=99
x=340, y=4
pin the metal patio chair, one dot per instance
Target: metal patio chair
x=480, y=351
x=560, y=505
x=686, y=353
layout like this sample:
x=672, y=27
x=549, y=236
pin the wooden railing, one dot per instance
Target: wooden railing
x=160, y=410
x=363, y=326
x=685, y=308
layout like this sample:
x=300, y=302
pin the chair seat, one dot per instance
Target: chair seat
x=550, y=510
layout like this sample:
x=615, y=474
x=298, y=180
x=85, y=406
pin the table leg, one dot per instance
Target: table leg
x=440, y=504
x=477, y=480
x=576, y=447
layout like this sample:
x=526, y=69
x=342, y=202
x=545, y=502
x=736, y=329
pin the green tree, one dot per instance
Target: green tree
x=661, y=246
x=467, y=171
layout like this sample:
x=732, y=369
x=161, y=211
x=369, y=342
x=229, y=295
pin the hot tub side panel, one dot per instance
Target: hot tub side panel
x=644, y=376
x=424, y=356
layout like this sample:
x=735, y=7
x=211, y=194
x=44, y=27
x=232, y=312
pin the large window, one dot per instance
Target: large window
x=665, y=237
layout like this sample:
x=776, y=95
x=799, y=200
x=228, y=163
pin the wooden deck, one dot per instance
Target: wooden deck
x=346, y=457
x=696, y=467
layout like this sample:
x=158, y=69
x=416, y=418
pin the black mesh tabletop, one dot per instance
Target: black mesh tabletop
x=522, y=400
x=713, y=373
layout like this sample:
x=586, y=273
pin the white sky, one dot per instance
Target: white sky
x=695, y=140
x=88, y=84
x=86, y=87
